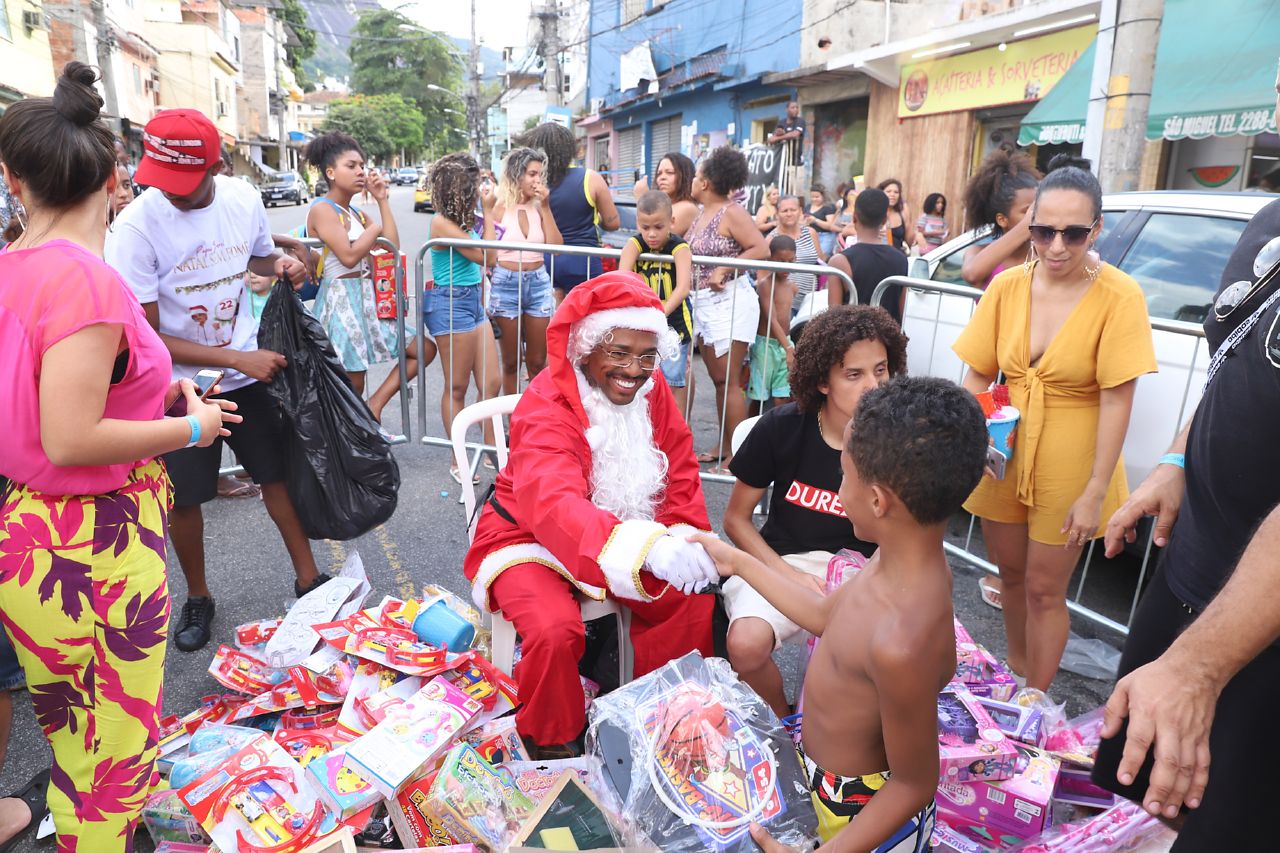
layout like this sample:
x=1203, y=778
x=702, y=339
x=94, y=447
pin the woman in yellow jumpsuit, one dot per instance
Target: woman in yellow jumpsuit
x=1071, y=336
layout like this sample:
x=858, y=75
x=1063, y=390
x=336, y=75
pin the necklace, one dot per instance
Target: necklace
x=822, y=432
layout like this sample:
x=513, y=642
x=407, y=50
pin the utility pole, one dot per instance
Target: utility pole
x=106, y=41
x=549, y=47
x=1116, y=131
x=474, y=120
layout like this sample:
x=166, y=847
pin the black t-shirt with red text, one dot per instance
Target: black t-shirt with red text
x=785, y=448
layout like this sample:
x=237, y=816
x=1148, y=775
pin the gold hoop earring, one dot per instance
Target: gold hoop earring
x=1031, y=258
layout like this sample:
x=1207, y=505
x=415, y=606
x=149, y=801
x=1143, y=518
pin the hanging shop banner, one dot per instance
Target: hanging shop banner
x=1024, y=71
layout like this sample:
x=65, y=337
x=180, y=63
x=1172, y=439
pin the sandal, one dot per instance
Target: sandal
x=709, y=457
x=34, y=796
x=234, y=487
x=989, y=587
x=457, y=478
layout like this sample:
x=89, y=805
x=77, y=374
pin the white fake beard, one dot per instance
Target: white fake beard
x=628, y=472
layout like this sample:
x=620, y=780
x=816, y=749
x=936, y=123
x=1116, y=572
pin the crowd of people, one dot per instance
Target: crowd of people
x=109, y=305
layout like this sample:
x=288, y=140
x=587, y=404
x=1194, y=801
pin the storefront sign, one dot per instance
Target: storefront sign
x=1241, y=122
x=1025, y=71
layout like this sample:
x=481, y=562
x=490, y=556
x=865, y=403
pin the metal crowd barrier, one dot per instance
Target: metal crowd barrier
x=402, y=309
x=1186, y=406
x=553, y=252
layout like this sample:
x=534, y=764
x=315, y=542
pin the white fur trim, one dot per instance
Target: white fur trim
x=502, y=559
x=629, y=317
x=682, y=531
x=624, y=554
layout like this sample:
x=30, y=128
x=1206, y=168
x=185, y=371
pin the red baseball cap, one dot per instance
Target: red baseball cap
x=178, y=148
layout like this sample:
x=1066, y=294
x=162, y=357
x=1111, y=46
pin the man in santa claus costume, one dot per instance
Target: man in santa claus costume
x=597, y=499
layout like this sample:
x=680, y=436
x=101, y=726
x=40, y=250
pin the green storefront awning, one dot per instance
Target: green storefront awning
x=1209, y=80
x=1215, y=77
x=1059, y=116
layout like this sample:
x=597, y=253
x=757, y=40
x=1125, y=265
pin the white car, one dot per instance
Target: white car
x=1175, y=245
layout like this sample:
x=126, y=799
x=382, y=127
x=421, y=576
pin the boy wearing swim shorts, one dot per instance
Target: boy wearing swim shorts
x=773, y=355
x=913, y=452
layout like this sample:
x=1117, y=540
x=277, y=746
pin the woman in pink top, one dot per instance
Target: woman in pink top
x=519, y=286
x=84, y=386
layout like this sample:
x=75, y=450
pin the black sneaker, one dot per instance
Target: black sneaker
x=321, y=580
x=194, y=627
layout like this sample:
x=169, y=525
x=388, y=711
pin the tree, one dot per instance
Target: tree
x=392, y=55
x=295, y=18
x=384, y=125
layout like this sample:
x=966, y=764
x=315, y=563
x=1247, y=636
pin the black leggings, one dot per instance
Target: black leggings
x=1244, y=750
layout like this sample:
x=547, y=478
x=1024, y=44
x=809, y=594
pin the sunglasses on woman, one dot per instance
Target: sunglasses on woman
x=1072, y=235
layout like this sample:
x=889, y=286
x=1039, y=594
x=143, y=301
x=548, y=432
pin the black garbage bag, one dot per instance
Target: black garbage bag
x=341, y=475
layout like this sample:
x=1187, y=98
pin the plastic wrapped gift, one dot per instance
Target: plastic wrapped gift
x=168, y=819
x=466, y=801
x=695, y=756
x=1123, y=828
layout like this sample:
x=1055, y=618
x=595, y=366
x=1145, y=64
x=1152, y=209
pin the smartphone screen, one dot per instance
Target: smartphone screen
x=205, y=381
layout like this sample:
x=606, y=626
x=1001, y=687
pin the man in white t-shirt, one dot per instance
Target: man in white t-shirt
x=183, y=246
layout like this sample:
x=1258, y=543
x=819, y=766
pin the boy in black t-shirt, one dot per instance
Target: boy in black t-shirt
x=870, y=260
x=843, y=353
x=671, y=280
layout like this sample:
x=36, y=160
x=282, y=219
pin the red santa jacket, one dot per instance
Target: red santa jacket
x=545, y=487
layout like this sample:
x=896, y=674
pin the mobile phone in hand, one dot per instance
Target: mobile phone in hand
x=205, y=381
x=996, y=461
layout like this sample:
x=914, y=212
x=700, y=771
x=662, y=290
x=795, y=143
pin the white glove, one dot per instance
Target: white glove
x=684, y=565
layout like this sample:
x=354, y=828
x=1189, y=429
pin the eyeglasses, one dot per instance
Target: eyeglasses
x=619, y=358
x=1072, y=235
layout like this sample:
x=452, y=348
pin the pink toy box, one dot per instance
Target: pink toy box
x=971, y=747
x=412, y=735
x=343, y=791
x=1075, y=786
x=1003, y=813
x=979, y=670
x=1017, y=722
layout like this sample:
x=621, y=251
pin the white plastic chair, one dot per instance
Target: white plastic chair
x=503, y=632
x=735, y=441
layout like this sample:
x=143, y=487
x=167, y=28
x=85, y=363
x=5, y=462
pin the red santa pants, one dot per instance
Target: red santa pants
x=544, y=608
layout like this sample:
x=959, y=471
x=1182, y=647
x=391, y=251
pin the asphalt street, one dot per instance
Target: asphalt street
x=425, y=541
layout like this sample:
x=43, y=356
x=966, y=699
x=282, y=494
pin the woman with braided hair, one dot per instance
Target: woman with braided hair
x=453, y=309
x=999, y=195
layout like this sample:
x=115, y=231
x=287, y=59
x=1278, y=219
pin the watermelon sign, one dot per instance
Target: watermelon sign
x=1213, y=176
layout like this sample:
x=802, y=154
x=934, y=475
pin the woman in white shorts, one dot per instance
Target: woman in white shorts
x=725, y=308
x=796, y=447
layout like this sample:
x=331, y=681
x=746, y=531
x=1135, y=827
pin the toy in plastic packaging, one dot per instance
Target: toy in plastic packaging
x=167, y=818
x=339, y=470
x=251, y=635
x=212, y=744
x=948, y=840
x=243, y=672
x=343, y=791
x=568, y=818
x=1005, y=812
x=1076, y=787
x=1076, y=741
x=412, y=735
x=1016, y=721
x=971, y=747
x=536, y=778
x=695, y=756
x=497, y=741
x=181, y=847
x=256, y=801
x=1123, y=828
x=466, y=801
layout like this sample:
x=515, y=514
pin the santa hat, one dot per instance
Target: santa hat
x=615, y=300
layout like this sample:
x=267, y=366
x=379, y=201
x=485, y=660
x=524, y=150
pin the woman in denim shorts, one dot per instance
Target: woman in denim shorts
x=519, y=285
x=452, y=309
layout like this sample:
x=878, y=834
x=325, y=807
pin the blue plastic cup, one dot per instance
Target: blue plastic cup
x=438, y=625
x=1002, y=427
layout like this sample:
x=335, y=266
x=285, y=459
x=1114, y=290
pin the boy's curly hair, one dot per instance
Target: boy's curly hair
x=828, y=337
x=455, y=186
x=924, y=439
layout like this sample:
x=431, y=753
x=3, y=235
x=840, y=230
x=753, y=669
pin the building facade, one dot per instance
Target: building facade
x=199, y=48
x=685, y=78
x=25, y=54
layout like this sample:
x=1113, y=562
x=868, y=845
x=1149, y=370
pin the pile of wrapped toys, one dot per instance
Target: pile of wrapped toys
x=351, y=728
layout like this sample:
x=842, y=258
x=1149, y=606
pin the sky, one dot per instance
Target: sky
x=499, y=23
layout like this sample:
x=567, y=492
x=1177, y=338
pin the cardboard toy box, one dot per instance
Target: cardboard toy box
x=1003, y=812
x=343, y=791
x=1016, y=721
x=400, y=748
x=979, y=670
x=971, y=747
x=467, y=801
x=1075, y=786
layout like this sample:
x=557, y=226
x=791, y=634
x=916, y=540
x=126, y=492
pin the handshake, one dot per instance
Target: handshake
x=685, y=565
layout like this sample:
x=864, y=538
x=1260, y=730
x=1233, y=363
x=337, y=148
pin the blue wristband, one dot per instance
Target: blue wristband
x=1178, y=459
x=195, y=430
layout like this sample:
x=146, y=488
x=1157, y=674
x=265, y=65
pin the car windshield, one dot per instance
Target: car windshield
x=282, y=178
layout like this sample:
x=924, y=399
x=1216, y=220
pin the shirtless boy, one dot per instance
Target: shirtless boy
x=773, y=355
x=914, y=451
